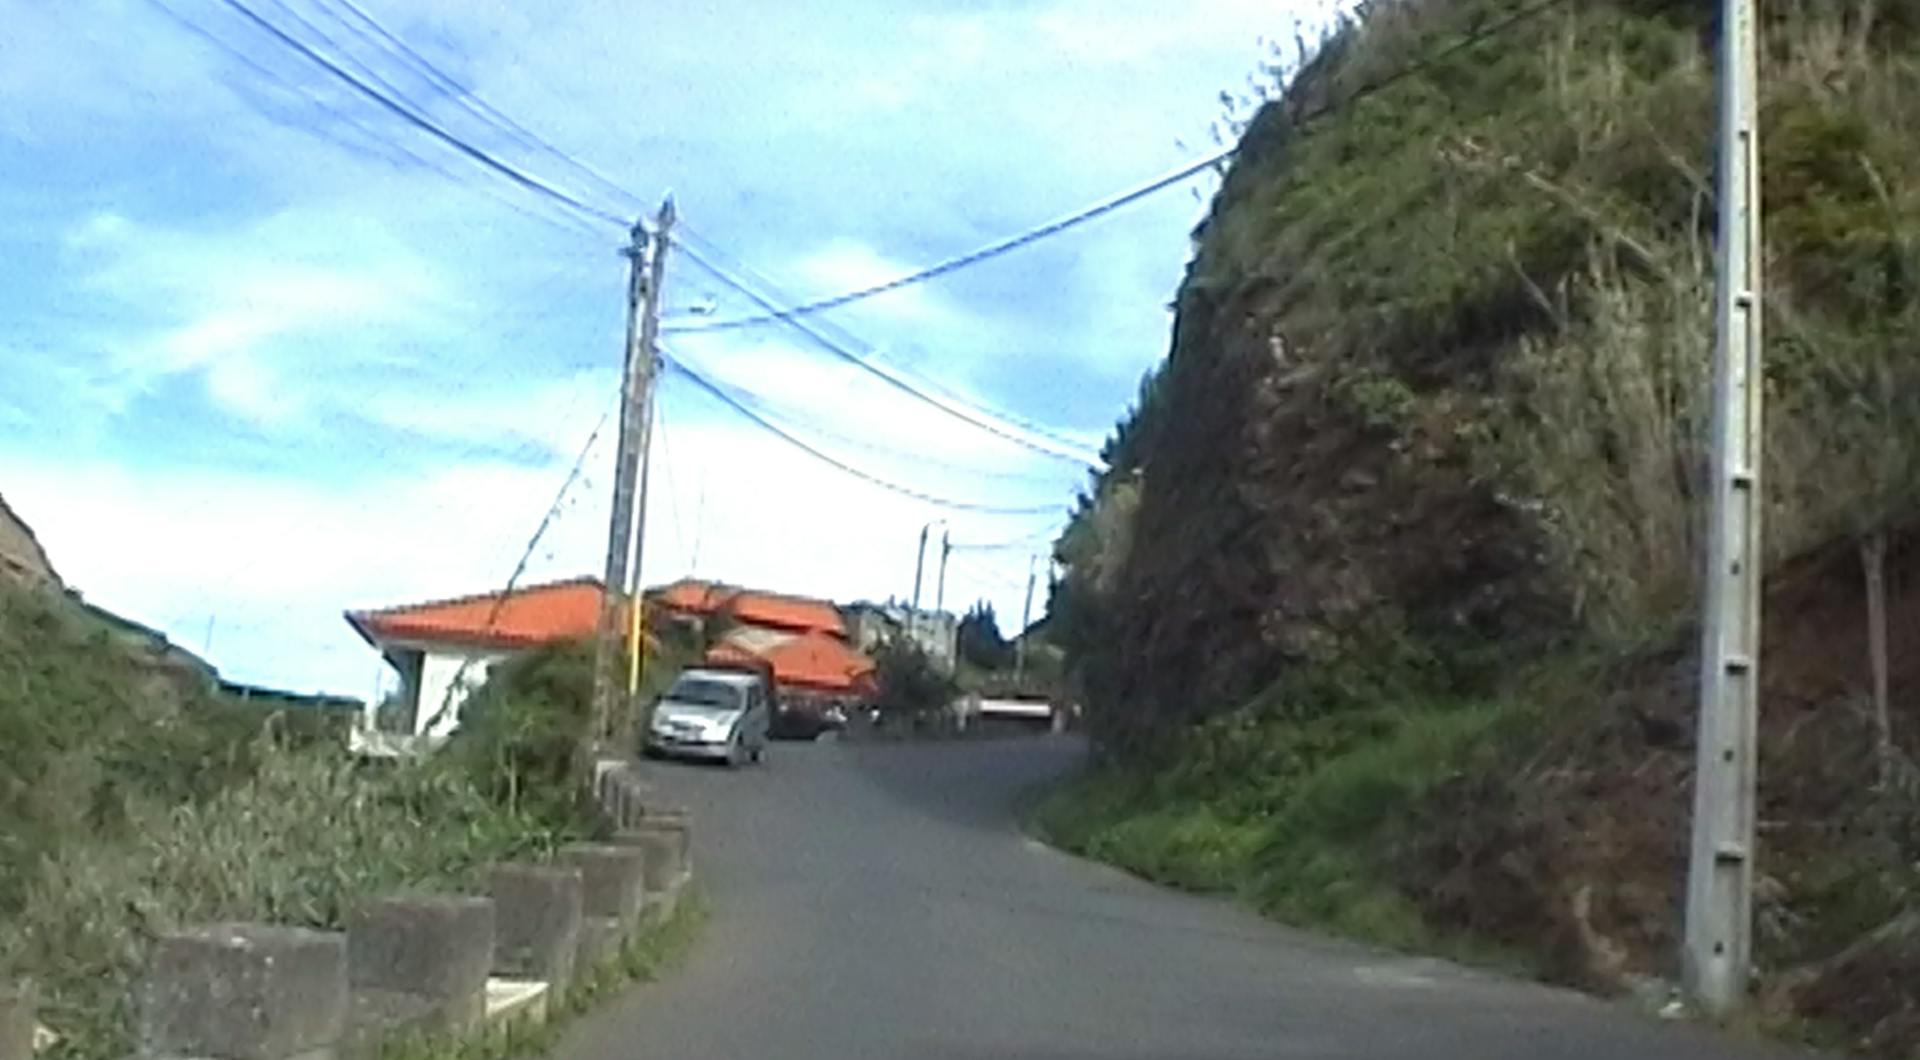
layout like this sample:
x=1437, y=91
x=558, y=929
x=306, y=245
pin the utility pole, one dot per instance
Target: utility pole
x=940, y=593
x=645, y=260
x=1026, y=621
x=919, y=565
x=649, y=342
x=1719, y=912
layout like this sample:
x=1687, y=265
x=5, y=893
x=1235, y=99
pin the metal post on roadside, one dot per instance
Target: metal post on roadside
x=1719, y=906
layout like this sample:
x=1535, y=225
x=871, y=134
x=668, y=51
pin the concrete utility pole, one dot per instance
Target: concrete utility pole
x=646, y=259
x=649, y=341
x=919, y=566
x=940, y=592
x=1026, y=620
x=1720, y=868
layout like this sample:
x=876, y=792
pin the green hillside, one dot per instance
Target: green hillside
x=1382, y=612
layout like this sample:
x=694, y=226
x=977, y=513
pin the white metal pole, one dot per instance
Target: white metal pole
x=1719, y=913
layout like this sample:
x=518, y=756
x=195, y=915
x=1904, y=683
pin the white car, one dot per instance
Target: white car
x=714, y=714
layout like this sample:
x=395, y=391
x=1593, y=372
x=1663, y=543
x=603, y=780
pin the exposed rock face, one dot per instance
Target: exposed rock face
x=22, y=560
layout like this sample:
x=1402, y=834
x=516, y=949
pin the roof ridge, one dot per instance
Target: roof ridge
x=474, y=598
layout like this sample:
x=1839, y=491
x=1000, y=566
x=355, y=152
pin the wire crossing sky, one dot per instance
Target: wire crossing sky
x=346, y=288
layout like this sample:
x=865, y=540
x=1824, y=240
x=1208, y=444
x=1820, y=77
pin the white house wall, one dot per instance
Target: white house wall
x=438, y=673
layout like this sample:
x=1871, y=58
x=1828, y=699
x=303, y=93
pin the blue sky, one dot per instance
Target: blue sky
x=259, y=367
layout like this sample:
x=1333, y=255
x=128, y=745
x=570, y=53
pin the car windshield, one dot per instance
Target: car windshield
x=694, y=691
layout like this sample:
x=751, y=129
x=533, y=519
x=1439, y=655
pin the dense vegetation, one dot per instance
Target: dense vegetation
x=1381, y=608
x=134, y=800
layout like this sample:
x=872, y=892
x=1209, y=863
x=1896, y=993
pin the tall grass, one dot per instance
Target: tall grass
x=297, y=843
x=130, y=807
x=1296, y=817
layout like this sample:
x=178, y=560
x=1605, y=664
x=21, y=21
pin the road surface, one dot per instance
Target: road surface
x=879, y=901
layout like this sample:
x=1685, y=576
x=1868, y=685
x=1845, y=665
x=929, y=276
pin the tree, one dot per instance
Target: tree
x=910, y=685
x=980, y=641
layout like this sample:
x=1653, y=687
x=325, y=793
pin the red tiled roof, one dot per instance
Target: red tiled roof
x=693, y=596
x=799, y=660
x=787, y=612
x=535, y=615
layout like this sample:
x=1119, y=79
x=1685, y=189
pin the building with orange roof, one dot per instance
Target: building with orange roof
x=444, y=649
x=698, y=603
x=810, y=663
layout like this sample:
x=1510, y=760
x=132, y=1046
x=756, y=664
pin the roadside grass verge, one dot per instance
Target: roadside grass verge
x=1301, y=819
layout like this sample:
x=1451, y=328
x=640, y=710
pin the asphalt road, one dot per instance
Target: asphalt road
x=880, y=901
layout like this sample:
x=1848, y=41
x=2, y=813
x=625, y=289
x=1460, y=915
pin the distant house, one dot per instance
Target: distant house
x=801, y=640
x=444, y=649
x=705, y=604
x=805, y=665
x=936, y=632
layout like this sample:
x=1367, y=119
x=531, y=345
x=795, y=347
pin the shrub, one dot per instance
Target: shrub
x=298, y=842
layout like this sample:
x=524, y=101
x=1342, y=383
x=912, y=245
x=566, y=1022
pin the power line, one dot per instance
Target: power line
x=1029, y=541
x=451, y=88
x=840, y=351
x=1112, y=203
x=991, y=250
x=759, y=403
x=424, y=124
x=373, y=136
x=848, y=338
x=721, y=393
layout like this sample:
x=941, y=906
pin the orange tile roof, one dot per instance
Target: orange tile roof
x=787, y=612
x=810, y=660
x=693, y=596
x=535, y=615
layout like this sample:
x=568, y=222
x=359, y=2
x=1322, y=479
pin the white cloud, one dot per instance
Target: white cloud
x=225, y=244
x=228, y=305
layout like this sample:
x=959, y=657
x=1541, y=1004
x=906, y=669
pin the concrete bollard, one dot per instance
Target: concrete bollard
x=619, y=791
x=612, y=895
x=425, y=953
x=612, y=877
x=601, y=937
x=536, y=922
x=19, y=1013
x=244, y=992
x=666, y=836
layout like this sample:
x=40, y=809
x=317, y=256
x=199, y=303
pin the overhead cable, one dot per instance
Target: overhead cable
x=423, y=123
x=840, y=351
x=450, y=88
x=827, y=324
x=571, y=222
x=722, y=394
x=1108, y=205
x=759, y=404
x=991, y=250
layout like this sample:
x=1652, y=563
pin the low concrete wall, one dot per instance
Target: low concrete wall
x=620, y=791
x=537, y=922
x=244, y=992
x=434, y=949
x=426, y=962
x=612, y=877
x=665, y=836
x=19, y=1008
